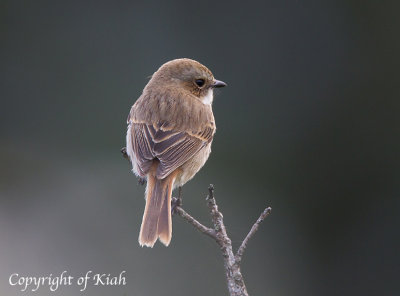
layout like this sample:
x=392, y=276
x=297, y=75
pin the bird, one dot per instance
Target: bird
x=169, y=135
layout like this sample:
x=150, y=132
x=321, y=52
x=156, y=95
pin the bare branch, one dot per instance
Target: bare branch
x=252, y=231
x=216, y=215
x=200, y=227
x=234, y=277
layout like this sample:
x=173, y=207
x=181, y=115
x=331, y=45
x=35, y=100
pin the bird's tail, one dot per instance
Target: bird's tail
x=157, y=221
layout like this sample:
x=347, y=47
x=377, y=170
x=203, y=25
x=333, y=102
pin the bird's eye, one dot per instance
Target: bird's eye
x=200, y=82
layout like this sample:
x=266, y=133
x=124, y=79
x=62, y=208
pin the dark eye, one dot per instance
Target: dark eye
x=200, y=82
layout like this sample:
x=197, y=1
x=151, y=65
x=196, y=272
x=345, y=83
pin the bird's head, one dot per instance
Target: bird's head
x=189, y=76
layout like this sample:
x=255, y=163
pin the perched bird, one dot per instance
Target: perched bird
x=170, y=131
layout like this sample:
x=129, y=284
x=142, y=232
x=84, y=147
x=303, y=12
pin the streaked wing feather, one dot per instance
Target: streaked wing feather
x=177, y=156
x=171, y=148
x=142, y=147
x=169, y=143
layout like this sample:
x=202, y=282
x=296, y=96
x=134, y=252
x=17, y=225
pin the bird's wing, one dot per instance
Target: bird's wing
x=172, y=148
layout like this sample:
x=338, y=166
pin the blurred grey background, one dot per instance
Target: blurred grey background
x=309, y=125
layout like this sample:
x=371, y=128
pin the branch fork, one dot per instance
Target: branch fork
x=232, y=260
x=236, y=285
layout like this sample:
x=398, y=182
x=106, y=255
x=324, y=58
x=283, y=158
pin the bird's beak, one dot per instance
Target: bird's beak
x=218, y=83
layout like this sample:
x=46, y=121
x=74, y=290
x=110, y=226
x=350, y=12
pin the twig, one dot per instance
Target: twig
x=232, y=262
x=253, y=230
x=181, y=212
x=236, y=285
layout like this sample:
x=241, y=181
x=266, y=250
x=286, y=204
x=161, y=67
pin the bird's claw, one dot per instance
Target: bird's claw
x=124, y=153
x=141, y=181
x=175, y=202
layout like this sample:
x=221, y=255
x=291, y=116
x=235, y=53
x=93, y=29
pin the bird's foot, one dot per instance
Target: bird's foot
x=176, y=201
x=124, y=153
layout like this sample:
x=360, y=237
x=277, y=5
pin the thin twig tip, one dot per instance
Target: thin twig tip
x=210, y=192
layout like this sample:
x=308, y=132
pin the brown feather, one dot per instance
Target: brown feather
x=165, y=219
x=170, y=130
x=157, y=221
x=172, y=149
x=149, y=228
x=189, y=113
